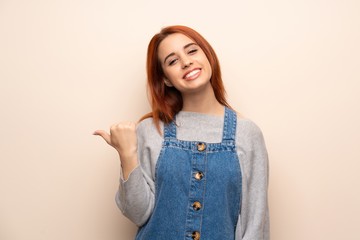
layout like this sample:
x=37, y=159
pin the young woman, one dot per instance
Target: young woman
x=192, y=168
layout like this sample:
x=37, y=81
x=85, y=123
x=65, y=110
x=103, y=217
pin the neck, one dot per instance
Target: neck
x=204, y=102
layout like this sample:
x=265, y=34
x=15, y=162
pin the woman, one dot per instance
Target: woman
x=192, y=168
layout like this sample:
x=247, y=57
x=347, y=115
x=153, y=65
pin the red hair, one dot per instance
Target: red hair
x=166, y=101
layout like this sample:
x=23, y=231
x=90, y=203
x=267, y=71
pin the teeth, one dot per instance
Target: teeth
x=190, y=74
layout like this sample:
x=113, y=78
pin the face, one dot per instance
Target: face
x=184, y=64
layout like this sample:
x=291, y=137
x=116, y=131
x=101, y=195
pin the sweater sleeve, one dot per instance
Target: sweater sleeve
x=135, y=196
x=253, y=221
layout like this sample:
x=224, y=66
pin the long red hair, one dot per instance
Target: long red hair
x=166, y=101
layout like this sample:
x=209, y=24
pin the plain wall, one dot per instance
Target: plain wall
x=68, y=68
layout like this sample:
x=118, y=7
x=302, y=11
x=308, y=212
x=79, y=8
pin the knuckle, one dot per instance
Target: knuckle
x=123, y=126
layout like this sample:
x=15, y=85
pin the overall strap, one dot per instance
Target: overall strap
x=170, y=130
x=229, y=129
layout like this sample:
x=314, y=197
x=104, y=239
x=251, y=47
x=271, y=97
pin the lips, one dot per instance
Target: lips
x=192, y=74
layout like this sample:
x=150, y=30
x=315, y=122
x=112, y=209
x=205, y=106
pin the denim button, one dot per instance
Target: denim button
x=198, y=175
x=201, y=147
x=196, y=206
x=196, y=235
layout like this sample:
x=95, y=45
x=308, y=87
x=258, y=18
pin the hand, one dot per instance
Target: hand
x=123, y=138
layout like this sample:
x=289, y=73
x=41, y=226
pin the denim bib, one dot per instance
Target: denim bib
x=198, y=188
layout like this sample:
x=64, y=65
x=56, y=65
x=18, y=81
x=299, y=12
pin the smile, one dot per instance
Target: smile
x=192, y=74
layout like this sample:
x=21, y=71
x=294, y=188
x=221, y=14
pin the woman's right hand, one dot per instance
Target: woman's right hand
x=123, y=138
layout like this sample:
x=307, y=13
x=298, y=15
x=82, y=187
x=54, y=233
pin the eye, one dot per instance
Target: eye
x=172, y=61
x=193, y=51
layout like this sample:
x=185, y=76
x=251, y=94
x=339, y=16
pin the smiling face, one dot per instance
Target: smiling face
x=184, y=64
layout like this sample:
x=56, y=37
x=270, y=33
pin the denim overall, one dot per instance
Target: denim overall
x=198, y=188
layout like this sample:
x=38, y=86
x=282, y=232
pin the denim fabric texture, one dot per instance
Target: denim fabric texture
x=198, y=187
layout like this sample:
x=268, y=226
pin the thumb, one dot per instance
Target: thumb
x=104, y=135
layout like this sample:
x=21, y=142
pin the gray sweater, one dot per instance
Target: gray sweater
x=135, y=196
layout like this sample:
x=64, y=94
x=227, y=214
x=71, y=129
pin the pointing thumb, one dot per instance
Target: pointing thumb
x=104, y=135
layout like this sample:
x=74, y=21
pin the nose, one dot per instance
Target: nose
x=186, y=62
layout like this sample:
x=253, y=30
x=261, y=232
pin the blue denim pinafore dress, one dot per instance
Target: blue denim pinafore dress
x=198, y=188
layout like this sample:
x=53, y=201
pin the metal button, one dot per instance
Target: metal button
x=196, y=235
x=198, y=175
x=201, y=147
x=196, y=206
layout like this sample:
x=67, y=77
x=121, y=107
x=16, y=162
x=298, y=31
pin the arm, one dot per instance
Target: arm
x=254, y=219
x=135, y=196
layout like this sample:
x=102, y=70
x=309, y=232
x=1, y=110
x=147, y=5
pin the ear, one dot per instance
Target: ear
x=167, y=82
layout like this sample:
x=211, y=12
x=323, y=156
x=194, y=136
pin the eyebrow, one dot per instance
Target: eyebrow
x=172, y=54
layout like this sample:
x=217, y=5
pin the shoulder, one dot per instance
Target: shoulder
x=248, y=127
x=147, y=129
x=248, y=133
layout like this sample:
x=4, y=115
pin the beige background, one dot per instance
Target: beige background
x=70, y=67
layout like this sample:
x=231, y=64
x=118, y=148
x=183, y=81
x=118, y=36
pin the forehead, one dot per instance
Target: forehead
x=173, y=43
